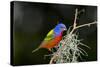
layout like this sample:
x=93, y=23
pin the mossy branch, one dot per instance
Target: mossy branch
x=68, y=40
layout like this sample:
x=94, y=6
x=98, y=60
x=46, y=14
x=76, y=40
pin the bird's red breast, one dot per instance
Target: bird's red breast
x=51, y=43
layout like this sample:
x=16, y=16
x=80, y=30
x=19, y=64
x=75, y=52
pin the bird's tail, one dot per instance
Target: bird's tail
x=35, y=49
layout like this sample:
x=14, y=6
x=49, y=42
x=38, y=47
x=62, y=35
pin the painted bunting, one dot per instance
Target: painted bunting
x=53, y=37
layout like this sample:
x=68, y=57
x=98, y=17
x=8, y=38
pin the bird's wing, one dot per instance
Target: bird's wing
x=50, y=35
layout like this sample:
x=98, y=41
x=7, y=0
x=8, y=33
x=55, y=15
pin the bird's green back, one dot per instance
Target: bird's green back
x=50, y=35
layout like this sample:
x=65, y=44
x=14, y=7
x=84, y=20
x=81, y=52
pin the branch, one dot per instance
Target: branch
x=53, y=58
x=74, y=25
x=88, y=24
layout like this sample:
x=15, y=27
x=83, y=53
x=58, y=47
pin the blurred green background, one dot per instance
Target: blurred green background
x=31, y=21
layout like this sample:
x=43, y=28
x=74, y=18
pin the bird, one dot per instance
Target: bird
x=53, y=37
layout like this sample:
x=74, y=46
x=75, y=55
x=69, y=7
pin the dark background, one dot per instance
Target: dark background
x=31, y=21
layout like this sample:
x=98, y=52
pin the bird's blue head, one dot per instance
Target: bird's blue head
x=59, y=28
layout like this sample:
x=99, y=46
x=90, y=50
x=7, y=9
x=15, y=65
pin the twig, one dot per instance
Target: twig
x=88, y=24
x=53, y=58
x=83, y=10
x=74, y=25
